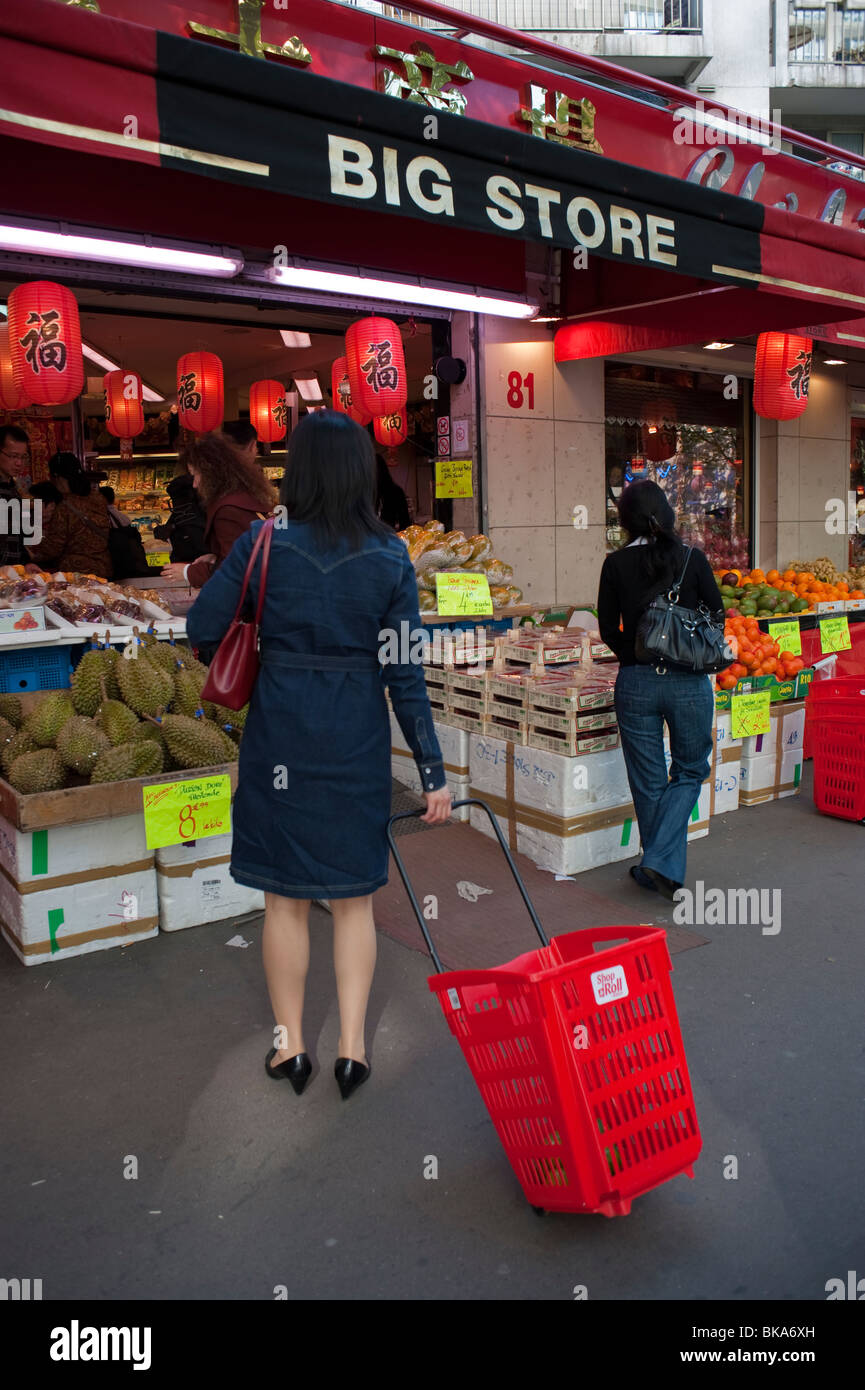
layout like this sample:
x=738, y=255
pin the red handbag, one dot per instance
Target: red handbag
x=235, y=666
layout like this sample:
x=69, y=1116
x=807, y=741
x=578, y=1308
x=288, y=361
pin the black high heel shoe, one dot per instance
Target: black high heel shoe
x=296, y=1070
x=349, y=1075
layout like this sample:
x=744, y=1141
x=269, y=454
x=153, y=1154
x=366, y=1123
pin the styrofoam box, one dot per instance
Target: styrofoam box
x=698, y=825
x=31, y=855
x=572, y=854
x=454, y=744
x=405, y=771
x=792, y=717
x=124, y=907
x=760, y=774
x=205, y=892
x=550, y=782
x=728, y=777
x=724, y=726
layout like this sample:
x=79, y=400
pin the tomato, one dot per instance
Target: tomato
x=770, y=666
x=738, y=670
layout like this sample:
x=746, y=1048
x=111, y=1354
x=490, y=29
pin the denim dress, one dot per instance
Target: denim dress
x=314, y=777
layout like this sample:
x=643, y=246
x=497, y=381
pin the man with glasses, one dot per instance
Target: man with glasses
x=14, y=457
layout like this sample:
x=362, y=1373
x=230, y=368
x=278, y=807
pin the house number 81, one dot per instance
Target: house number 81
x=516, y=396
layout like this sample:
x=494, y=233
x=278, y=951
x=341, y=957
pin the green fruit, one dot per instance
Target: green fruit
x=116, y=721
x=10, y=709
x=44, y=723
x=765, y=613
x=81, y=743
x=799, y=605
x=196, y=742
x=145, y=688
x=42, y=771
x=21, y=743
x=88, y=676
x=235, y=718
x=149, y=757
x=749, y=609
x=727, y=591
x=118, y=764
x=187, y=694
x=7, y=730
x=161, y=654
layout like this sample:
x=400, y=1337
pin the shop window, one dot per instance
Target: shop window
x=678, y=429
x=857, y=489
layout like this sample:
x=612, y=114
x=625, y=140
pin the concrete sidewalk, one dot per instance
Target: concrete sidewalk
x=156, y=1053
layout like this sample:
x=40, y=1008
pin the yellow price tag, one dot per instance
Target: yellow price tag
x=834, y=635
x=750, y=714
x=788, y=635
x=177, y=812
x=158, y=557
x=461, y=595
x=454, y=478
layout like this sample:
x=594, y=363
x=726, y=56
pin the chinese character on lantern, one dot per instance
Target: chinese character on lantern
x=800, y=375
x=188, y=398
x=43, y=346
x=378, y=369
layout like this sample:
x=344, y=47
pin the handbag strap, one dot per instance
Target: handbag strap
x=677, y=586
x=262, y=542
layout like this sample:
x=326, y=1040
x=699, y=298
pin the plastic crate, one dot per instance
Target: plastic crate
x=35, y=668
x=838, y=748
x=578, y=1057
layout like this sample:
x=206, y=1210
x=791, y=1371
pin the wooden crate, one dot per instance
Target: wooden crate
x=570, y=743
x=41, y=810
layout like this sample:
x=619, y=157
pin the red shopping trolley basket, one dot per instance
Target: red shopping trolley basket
x=578, y=1056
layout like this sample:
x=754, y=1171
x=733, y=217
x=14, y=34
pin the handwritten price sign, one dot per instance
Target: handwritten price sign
x=750, y=714
x=788, y=635
x=834, y=635
x=463, y=595
x=176, y=812
x=454, y=478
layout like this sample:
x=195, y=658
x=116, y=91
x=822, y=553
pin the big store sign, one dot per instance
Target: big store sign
x=369, y=51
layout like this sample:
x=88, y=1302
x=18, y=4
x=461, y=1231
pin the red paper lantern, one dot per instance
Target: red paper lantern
x=124, y=404
x=376, y=366
x=343, y=399
x=200, y=392
x=782, y=375
x=268, y=411
x=45, y=342
x=390, y=430
x=12, y=396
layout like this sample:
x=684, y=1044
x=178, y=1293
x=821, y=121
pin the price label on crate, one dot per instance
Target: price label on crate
x=177, y=812
x=834, y=635
x=750, y=714
x=157, y=558
x=788, y=635
x=461, y=595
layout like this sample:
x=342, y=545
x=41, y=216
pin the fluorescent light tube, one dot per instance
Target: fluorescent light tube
x=295, y=340
x=400, y=291
x=101, y=247
x=309, y=388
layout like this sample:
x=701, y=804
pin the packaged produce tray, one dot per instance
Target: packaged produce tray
x=778, y=690
x=55, y=630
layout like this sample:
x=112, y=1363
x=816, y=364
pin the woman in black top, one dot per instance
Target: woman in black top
x=647, y=697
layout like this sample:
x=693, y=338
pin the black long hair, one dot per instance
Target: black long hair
x=68, y=466
x=330, y=479
x=645, y=512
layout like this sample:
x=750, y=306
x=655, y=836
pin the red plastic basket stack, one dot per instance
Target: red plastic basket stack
x=837, y=739
x=579, y=1058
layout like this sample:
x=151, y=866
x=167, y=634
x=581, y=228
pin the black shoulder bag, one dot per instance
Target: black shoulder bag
x=686, y=639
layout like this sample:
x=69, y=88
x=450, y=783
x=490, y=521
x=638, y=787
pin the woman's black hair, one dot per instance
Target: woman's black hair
x=330, y=479
x=645, y=512
x=46, y=492
x=66, y=465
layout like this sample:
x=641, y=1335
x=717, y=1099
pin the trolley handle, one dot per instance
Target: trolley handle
x=471, y=801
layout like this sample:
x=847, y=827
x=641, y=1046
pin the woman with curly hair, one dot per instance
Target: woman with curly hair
x=234, y=493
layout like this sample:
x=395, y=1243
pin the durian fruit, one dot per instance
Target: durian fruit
x=118, y=764
x=44, y=723
x=116, y=721
x=196, y=742
x=187, y=694
x=81, y=743
x=145, y=688
x=7, y=730
x=10, y=709
x=87, y=678
x=192, y=664
x=161, y=654
x=236, y=718
x=149, y=757
x=42, y=771
x=19, y=744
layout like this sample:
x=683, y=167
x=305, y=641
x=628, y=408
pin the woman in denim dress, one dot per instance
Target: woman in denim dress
x=648, y=697
x=314, y=789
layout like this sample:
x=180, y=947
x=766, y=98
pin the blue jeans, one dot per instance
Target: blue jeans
x=645, y=701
